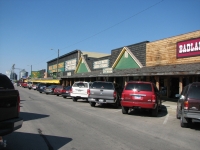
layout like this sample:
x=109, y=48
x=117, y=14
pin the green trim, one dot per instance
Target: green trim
x=82, y=68
x=126, y=62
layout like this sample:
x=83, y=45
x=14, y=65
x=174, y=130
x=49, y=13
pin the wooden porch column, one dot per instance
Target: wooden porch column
x=180, y=84
x=148, y=78
x=114, y=80
x=157, y=82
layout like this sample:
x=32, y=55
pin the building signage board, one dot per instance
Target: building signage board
x=70, y=65
x=107, y=70
x=188, y=48
x=53, y=68
x=69, y=73
x=101, y=64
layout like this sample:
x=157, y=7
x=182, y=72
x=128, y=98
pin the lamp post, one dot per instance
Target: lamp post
x=57, y=64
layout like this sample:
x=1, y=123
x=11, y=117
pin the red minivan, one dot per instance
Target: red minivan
x=143, y=95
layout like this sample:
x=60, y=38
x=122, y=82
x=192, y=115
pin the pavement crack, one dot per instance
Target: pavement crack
x=45, y=139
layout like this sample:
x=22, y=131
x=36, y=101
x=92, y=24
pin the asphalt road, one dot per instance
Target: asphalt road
x=52, y=123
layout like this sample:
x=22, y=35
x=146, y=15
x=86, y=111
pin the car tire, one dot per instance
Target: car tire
x=74, y=99
x=177, y=114
x=40, y=92
x=182, y=123
x=64, y=96
x=57, y=95
x=92, y=104
x=154, y=112
x=125, y=110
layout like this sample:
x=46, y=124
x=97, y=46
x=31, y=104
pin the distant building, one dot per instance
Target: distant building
x=23, y=74
x=13, y=76
x=8, y=72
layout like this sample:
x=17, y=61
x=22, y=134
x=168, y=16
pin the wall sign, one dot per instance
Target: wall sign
x=188, y=48
x=107, y=70
x=101, y=64
x=70, y=65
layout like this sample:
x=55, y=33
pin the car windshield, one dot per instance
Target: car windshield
x=139, y=87
x=194, y=92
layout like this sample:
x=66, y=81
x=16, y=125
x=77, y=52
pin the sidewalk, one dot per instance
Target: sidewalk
x=170, y=103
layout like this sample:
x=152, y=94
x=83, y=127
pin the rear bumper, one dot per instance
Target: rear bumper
x=66, y=94
x=79, y=96
x=191, y=115
x=101, y=100
x=9, y=126
x=138, y=104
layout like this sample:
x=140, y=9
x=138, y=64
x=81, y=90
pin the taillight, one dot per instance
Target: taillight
x=63, y=91
x=153, y=98
x=18, y=101
x=122, y=97
x=186, y=104
x=88, y=91
x=114, y=94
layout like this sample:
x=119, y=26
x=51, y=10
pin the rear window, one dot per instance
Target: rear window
x=194, y=92
x=67, y=88
x=102, y=85
x=81, y=85
x=5, y=83
x=138, y=87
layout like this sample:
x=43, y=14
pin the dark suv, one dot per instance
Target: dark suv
x=188, y=105
x=138, y=94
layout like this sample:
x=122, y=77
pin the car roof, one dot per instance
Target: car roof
x=140, y=82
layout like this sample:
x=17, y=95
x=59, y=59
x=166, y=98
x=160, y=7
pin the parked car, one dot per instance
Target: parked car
x=80, y=90
x=143, y=95
x=188, y=105
x=41, y=87
x=58, y=90
x=24, y=84
x=50, y=89
x=29, y=85
x=102, y=92
x=34, y=86
x=66, y=91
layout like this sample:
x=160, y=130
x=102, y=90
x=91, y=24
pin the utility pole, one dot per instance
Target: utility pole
x=57, y=65
x=31, y=71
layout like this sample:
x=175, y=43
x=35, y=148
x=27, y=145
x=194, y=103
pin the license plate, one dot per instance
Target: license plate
x=137, y=97
x=100, y=100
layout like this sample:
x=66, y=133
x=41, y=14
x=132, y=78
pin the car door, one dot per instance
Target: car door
x=193, y=97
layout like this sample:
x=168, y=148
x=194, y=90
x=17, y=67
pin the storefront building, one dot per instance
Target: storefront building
x=170, y=63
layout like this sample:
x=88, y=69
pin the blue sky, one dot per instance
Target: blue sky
x=29, y=29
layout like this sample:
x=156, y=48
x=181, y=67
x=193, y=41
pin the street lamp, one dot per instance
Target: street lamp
x=57, y=63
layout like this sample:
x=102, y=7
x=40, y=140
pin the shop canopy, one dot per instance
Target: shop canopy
x=45, y=81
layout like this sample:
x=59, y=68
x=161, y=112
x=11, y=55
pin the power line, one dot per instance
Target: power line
x=115, y=24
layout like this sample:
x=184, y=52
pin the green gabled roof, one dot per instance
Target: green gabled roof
x=82, y=66
x=126, y=60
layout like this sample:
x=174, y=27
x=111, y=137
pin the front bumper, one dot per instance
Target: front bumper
x=138, y=104
x=9, y=126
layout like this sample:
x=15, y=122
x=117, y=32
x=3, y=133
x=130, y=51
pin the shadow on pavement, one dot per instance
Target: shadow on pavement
x=31, y=141
x=31, y=116
x=147, y=113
